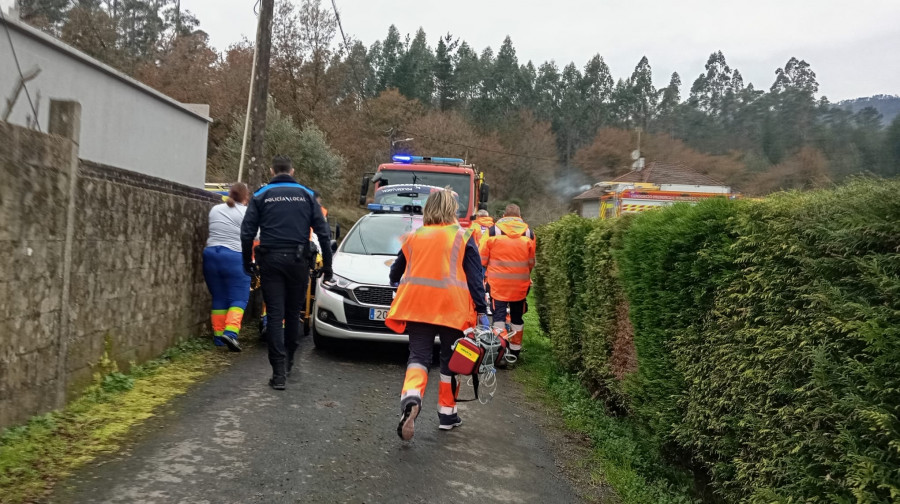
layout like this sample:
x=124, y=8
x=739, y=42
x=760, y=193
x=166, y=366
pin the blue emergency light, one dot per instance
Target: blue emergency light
x=405, y=159
x=410, y=209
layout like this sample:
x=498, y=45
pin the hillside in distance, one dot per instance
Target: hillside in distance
x=887, y=105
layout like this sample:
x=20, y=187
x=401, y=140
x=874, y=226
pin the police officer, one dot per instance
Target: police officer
x=283, y=211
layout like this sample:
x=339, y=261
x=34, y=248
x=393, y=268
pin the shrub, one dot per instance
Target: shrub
x=672, y=262
x=562, y=254
x=767, y=335
x=600, y=298
x=793, y=380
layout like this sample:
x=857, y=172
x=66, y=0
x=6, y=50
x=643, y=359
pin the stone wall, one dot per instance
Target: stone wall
x=99, y=265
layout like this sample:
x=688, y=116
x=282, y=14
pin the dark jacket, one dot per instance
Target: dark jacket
x=471, y=266
x=283, y=211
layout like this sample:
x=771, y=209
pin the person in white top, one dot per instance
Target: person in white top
x=223, y=267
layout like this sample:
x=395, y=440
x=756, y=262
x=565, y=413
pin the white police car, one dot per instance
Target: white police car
x=354, y=305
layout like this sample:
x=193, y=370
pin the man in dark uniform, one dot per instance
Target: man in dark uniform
x=283, y=211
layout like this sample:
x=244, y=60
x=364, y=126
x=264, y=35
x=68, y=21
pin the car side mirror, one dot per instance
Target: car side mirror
x=485, y=192
x=334, y=246
x=363, y=190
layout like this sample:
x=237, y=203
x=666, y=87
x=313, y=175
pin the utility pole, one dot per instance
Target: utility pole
x=258, y=172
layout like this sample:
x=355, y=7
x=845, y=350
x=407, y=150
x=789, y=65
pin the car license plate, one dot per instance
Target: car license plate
x=376, y=314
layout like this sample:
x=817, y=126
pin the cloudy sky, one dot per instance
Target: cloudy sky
x=852, y=45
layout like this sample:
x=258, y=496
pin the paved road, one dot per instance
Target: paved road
x=330, y=437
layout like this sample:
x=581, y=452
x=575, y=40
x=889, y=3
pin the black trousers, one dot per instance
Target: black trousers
x=516, y=310
x=284, y=277
x=421, y=343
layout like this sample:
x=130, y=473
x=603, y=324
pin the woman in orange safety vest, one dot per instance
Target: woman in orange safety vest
x=440, y=293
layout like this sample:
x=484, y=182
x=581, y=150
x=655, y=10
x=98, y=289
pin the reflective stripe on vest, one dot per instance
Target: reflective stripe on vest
x=509, y=259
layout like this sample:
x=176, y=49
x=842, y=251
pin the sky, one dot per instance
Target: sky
x=851, y=45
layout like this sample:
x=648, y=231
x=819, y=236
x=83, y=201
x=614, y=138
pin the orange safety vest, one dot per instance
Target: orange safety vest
x=433, y=288
x=481, y=226
x=312, y=233
x=508, y=254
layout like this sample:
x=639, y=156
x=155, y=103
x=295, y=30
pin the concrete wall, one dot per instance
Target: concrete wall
x=95, y=260
x=124, y=123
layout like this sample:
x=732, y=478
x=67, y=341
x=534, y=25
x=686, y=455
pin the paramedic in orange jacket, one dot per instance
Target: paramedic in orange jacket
x=440, y=293
x=480, y=225
x=508, y=255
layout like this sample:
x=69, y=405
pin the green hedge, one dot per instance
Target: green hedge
x=577, y=291
x=672, y=261
x=795, y=374
x=767, y=335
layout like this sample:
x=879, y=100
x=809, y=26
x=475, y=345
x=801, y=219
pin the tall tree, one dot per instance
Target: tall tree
x=47, y=15
x=571, y=108
x=318, y=29
x=389, y=61
x=645, y=95
x=467, y=74
x=445, y=87
x=892, y=148
x=548, y=89
x=669, y=102
x=415, y=75
x=709, y=89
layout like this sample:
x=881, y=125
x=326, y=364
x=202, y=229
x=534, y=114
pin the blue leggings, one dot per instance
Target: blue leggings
x=223, y=270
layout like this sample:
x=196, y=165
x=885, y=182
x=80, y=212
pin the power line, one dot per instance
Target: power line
x=476, y=148
x=19, y=68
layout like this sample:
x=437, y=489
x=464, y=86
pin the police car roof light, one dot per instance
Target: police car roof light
x=408, y=209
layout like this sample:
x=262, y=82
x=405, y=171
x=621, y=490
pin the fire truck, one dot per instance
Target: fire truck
x=622, y=198
x=464, y=179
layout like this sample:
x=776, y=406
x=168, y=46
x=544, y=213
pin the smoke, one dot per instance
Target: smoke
x=571, y=185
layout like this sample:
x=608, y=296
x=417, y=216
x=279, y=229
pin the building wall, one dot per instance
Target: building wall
x=113, y=277
x=590, y=208
x=123, y=122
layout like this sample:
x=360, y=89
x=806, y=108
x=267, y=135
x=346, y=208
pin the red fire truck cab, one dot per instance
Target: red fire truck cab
x=464, y=179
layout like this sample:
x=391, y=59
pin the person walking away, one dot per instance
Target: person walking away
x=440, y=293
x=283, y=211
x=228, y=283
x=508, y=255
x=482, y=223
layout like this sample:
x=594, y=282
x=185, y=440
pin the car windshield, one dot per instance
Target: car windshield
x=406, y=194
x=381, y=235
x=459, y=183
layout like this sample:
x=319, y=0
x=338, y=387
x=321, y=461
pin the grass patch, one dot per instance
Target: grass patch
x=49, y=447
x=621, y=455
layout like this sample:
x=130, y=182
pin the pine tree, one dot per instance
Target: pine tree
x=467, y=75
x=443, y=72
x=415, y=74
x=389, y=61
x=548, y=89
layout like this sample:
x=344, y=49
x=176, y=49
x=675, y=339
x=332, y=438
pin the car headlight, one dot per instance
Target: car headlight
x=338, y=285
